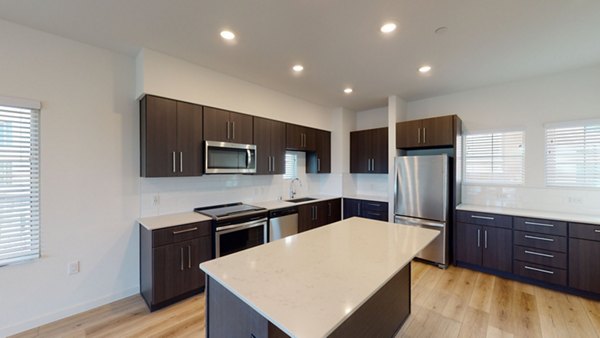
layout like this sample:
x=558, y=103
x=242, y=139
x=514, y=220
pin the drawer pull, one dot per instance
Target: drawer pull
x=483, y=217
x=374, y=204
x=596, y=230
x=540, y=238
x=540, y=224
x=538, y=254
x=539, y=270
x=184, y=231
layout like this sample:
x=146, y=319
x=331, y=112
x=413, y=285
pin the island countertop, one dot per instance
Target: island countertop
x=309, y=283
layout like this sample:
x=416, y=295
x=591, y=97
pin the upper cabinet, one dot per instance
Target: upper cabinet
x=225, y=126
x=300, y=138
x=369, y=151
x=426, y=133
x=170, y=138
x=319, y=161
x=269, y=137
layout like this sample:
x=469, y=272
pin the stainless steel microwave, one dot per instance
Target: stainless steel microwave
x=229, y=158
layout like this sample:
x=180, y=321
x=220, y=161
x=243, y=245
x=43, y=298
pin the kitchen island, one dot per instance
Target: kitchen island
x=349, y=278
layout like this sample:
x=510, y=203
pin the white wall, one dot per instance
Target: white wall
x=163, y=75
x=529, y=104
x=89, y=183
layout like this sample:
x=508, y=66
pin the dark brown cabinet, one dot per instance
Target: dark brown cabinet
x=300, y=138
x=319, y=161
x=369, y=151
x=314, y=215
x=269, y=137
x=584, y=250
x=169, y=260
x=426, y=133
x=170, y=138
x=489, y=246
x=226, y=126
x=365, y=208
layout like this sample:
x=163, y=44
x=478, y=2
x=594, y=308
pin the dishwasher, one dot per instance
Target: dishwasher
x=283, y=223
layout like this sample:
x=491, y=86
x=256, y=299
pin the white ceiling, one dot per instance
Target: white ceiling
x=338, y=41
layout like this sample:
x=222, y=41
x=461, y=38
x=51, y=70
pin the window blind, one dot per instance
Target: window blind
x=19, y=184
x=291, y=166
x=496, y=158
x=573, y=156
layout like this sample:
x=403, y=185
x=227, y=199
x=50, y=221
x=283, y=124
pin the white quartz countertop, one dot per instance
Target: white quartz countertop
x=367, y=197
x=550, y=215
x=169, y=220
x=278, y=204
x=309, y=283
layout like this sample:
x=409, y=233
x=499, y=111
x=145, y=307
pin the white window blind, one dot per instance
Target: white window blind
x=291, y=166
x=573, y=155
x=19, y=184
x=496, y=157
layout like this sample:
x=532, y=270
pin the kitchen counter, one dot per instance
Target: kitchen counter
x=550, y=215
x=367, y=197
x=169, y=220
x=311, y=283
x=279, y=204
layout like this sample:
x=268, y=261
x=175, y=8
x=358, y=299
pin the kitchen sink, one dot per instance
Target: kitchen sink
x=300, y=200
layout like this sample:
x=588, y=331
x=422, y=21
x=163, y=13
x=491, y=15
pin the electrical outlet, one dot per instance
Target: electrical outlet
x=156, y=200
x=575, y=200
x=73, y=268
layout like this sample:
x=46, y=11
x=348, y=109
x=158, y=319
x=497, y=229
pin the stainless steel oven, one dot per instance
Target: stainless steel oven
x=229, y=158
x=240, y=236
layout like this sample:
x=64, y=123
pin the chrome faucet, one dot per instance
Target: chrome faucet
x=293, y=191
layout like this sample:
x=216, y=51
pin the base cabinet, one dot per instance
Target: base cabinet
x=169, y=260
x=366, y=209
x=314, y=215
x=584, y=254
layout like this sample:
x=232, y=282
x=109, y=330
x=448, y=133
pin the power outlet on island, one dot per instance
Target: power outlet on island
x=73, y=268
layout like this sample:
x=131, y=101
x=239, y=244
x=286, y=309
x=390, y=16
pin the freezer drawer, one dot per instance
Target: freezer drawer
x=436, y=251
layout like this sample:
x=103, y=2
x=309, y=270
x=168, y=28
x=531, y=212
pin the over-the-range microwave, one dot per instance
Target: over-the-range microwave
x=229, y=158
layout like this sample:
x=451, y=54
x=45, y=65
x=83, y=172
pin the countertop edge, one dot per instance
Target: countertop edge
x=550, y=215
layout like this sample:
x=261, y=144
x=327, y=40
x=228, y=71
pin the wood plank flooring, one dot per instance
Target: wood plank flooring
x=446, y=303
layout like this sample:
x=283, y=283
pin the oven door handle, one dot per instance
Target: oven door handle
x=241, y=226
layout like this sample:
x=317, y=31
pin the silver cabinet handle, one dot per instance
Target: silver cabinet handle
x=483, y=217
x=540, y=238
x=233, y=130
x=374, y=205
x=184, y=231
x=316, y=213
x=174, y=169
x=368, y=165
x=273, y=159
x=227, y=126
x=269, y=170
x=329, y=214
x=424, y=135
x=318, y=164
x=479, y=238
x=485, y=239
x=540, y=224
x=359, y=203
x=538, y=254
x=419, y=135
x=596, y=230
x=539, y=270
x=181, y=161
x=189, y=256
x=181, y=258
x=373, y=164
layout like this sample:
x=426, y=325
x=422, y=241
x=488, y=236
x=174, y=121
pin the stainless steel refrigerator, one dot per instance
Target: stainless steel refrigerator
x=421, y=198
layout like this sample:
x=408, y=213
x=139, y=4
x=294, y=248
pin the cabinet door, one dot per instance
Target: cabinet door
x=320, y=160
x=216, y=125
x=158, y=136
x=321, y=214
x=278, y=147
x=584, y=267
x=334, y=210
x=310, y=139
x=437, y=131
x=351, y=208
x=497, y=248
x=359, y=152
x=262, y=139
x=189, y=139
x=197, y=251
x=305, y=217
x=241, y=128
x=379, y=150
x=294, y=139
x=408, y=134
x=468, y=243
x=169, y=268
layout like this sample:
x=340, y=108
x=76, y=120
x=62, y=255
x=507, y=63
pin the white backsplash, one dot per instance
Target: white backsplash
x=366, y=184
x=583, y=201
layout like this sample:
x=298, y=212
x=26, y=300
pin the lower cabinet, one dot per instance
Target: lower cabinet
x=364, y=208
x=486, y=246
x=584, y=257
x=314, y=215
x=169, y=260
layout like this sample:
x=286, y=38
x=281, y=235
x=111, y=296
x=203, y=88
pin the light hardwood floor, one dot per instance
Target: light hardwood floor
x=446, y=303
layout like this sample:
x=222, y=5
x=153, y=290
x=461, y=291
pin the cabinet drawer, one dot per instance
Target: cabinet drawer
x=541, y=273
x=541, y=226
x=374, y=206
x=584, y=231
x=535, y=240
x=377, y=215
x=480, y=218
x=543, y=257
x=180, y=233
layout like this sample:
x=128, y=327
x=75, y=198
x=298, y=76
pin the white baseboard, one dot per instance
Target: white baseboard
x=66, y=312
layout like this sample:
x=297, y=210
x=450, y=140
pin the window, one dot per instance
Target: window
x=291, y=166
x=19, y=184
x=573, y=155
x=495, y=157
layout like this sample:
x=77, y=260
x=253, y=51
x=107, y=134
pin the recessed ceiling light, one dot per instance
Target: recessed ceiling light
x=298, y=68
x=227, y=35
x=348, y=90
x=424, y=69
x=388, y=27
